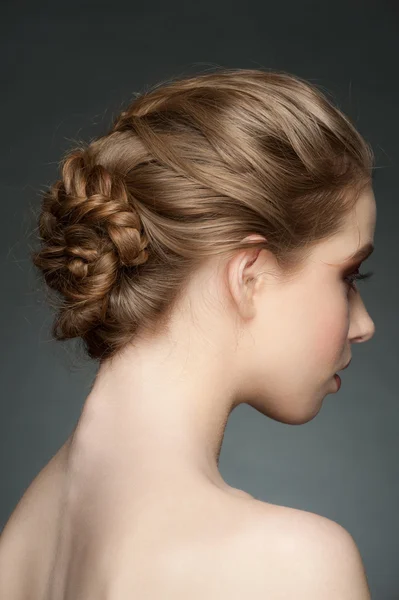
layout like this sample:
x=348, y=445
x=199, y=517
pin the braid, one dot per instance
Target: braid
x=89, y=230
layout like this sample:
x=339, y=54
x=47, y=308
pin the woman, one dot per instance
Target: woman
x=205, y=250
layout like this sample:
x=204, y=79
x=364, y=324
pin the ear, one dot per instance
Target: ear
x=241, y=275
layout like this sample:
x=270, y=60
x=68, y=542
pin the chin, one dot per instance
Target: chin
x=293, y=415
x=304, y=418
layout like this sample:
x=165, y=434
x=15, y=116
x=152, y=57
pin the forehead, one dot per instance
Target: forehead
x=359, y=230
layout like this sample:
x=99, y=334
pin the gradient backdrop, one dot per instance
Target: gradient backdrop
x=66, y=69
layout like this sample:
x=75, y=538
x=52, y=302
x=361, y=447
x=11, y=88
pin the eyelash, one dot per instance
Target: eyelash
x=355, y=276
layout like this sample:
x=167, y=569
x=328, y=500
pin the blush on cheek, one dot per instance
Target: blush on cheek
x=330, y=338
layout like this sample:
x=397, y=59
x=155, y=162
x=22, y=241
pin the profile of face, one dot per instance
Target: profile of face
x=298, y=332
x=247, y=333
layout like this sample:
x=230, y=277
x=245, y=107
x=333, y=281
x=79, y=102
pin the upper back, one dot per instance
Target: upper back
x=215, y=545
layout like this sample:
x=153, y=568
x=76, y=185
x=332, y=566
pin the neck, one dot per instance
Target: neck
x=160, y=410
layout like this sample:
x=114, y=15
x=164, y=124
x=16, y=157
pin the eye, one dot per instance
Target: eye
x=356, y=276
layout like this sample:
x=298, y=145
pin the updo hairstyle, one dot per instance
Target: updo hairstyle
x=188, y=170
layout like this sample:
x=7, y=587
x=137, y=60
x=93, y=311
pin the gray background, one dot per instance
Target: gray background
x=66, y=70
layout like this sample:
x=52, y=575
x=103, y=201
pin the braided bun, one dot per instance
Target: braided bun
x=89, y=231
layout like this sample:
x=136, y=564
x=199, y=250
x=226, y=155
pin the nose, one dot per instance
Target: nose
x=362, y=327
x=365, y=330
x=369, y=333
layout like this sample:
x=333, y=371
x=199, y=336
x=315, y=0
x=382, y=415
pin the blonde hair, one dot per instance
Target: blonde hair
x=188, y=170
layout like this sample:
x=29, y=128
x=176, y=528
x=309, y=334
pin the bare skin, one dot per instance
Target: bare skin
x=134, y=503
x=179, y=535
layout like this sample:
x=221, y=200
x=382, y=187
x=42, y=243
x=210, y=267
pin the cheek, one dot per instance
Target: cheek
x=331, y=327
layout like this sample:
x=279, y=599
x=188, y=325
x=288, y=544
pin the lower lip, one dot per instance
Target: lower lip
x=338, y=380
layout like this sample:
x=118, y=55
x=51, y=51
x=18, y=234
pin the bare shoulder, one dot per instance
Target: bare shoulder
x=252, y=550
x=311, y=557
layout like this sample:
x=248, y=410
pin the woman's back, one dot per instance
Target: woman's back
x=198, y=542
x=149, y=545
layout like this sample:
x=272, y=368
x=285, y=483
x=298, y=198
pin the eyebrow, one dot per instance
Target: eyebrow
x=363, y=253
